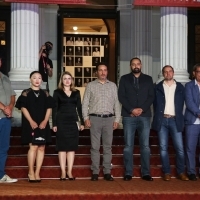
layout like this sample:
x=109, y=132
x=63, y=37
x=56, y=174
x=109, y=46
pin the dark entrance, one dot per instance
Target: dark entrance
x=5, y=38
x=193, y=39
x=110, y=18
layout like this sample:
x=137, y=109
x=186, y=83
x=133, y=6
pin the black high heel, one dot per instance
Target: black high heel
x=71, y=179
x=38, y=180
x=31, y=181
x=62, y=179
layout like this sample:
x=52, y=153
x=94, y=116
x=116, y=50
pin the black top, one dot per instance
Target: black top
x=132, y=97
x=67, y=107
x=42, y=67
x=37, y=103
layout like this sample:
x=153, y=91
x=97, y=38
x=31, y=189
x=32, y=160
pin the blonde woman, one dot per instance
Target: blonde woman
x=66, y=114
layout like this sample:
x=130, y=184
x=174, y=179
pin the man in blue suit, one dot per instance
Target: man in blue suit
x=192, y=121
x=136, y=94
x=169, y=119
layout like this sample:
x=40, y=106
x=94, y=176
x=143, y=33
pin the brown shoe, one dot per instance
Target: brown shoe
x=183, y=177
x=167, y=177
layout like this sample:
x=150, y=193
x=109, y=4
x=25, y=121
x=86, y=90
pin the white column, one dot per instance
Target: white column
x=24, y=40
x=142, y=27
x=174, y=41
x=24, y=48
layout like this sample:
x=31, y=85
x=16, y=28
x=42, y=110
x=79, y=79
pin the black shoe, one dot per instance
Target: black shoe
x=127, y=177
x=147, y=178
x=31, y=181
x=62, y=179
x=108, y=177
x=71, y=179
x=94, y=177
x=192, y=177
x=38, y=180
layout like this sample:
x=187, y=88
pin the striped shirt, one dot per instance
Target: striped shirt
x=101, y=99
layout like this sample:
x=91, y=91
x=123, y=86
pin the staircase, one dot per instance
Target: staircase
x=16, y=165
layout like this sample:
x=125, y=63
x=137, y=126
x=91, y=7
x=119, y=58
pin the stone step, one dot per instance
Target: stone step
x=52, y=160
x=81, y=172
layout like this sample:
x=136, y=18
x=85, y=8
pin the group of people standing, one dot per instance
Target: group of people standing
x=101, y=112
x=136, y=94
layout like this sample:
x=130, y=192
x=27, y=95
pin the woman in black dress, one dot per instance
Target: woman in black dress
x=65, y=118
x=36, y=106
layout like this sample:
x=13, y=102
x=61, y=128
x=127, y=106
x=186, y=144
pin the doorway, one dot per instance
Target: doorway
x=5, y=23
x=193, y=39
x=85, y=38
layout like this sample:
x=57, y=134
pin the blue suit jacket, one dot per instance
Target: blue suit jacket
x=192, y=101
x=159, y=106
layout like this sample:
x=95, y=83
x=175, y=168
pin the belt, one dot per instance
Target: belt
x=101, y=115
x=168, y=116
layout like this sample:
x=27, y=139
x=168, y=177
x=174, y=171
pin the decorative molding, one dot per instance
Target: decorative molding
x=48, y=1
x=167, y=3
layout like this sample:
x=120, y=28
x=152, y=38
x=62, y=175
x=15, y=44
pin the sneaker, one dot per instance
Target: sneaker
x=7, y=179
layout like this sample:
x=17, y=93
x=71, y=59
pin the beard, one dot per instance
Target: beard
x=136, y=70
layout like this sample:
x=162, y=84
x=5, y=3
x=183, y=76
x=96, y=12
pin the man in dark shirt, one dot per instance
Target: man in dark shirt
x=45, y=63
x=78, y=51
x=136, y=94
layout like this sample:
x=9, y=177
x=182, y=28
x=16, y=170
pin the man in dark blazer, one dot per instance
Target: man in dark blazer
x=136, y=94
x=169, y=119
x=192, y=121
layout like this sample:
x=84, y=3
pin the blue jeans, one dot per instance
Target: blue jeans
x=169, y=127
x=192, y=140
x=5, y=128
x=142, y=124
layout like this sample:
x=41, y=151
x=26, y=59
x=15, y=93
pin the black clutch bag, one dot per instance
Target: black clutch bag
x=38, y=137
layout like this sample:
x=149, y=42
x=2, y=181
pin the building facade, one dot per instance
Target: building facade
x=108, y=30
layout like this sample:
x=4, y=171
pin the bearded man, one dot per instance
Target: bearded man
x=136, y=94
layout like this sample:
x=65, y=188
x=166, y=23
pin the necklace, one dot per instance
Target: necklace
x=37, y=93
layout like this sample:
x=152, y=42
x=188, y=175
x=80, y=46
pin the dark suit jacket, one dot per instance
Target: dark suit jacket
x=159, y=106
x=131, y=98
x=192, y=101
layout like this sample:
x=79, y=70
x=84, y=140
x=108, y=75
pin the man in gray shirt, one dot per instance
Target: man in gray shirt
x=101, y=113
x=7, y=101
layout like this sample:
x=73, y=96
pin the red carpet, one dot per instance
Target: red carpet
x=17, y=159
x=101, y=190
x=51, y=188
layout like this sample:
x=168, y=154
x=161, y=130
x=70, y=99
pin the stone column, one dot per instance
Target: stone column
x=174, y=41
x=142, y=26
x=24, y=41
x=24, y=48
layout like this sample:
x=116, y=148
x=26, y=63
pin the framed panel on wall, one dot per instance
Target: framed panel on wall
x=81, y=54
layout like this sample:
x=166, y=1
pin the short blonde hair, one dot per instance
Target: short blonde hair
x=60, y=84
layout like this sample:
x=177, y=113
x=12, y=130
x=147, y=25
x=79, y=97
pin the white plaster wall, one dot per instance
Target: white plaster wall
x=53, y=79
x=155, y=43
x=48, y=32
x=127, y=39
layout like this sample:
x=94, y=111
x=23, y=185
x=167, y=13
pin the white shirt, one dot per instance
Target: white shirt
x=169, y=98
